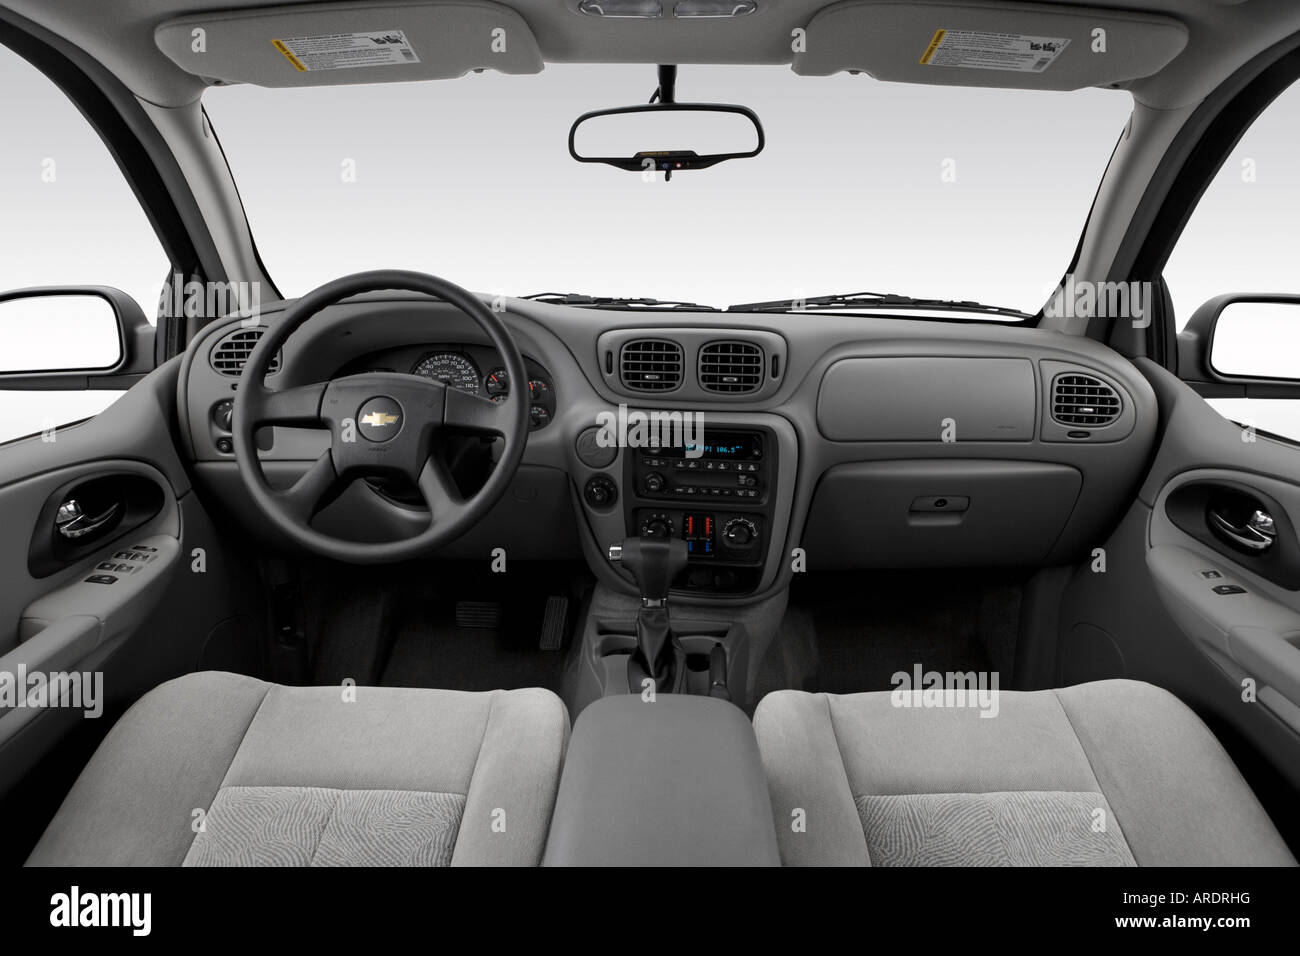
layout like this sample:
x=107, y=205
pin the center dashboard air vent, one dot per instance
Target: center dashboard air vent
x=650, y=365
x=732, y=367
x=232, y=351
x=1083, y=401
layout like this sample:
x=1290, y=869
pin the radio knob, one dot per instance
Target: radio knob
x=739, y=532
x=655, y=482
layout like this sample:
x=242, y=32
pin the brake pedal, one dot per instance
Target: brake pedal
x=554, y=623
x=481, y=614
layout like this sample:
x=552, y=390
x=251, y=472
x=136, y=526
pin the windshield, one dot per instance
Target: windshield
x=934, y=192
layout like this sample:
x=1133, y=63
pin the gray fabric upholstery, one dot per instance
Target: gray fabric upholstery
x=1022, y=828
x=313, y=826
x=1165, y=786
x=374, y=780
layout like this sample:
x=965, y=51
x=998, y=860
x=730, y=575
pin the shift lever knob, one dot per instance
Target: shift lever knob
x=653, y=562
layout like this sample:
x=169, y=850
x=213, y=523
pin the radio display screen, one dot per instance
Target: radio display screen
x=721, y=446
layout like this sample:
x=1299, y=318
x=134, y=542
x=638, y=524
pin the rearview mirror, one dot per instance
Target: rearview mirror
x=666, y=137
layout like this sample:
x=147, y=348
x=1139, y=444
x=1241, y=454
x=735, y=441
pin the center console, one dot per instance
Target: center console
x=635, y=771
x=717, y=494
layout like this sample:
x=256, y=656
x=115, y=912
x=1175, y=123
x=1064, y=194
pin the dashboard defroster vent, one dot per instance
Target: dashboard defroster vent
x=731, y=367
x=1083, y=401
x=232, y=352
x=651, y=365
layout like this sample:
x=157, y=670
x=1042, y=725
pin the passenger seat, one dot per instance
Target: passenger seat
x=1112, y=773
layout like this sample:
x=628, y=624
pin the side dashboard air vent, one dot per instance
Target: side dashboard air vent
x=1083, y=401
x=230, y=354
x=651, y=365
x=731, y=367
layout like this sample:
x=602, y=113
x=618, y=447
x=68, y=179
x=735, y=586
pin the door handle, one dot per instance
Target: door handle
x=73, y=523
x=1257, y=534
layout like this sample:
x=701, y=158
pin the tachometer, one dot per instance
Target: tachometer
x=450, y=368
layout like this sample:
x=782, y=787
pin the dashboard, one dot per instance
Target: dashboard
x=823, y=441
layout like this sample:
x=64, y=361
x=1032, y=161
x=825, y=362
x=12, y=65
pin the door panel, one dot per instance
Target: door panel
x=1150, y=611
x=178, y=592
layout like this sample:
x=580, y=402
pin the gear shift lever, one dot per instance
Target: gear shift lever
x=653, y=562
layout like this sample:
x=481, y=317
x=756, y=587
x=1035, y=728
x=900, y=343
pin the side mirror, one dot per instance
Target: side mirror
x=49, y=333
x=1244, y=338
x=666, y=137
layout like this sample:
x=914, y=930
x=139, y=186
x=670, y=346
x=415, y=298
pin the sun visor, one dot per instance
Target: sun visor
x=328, y=44
x=1015, y=45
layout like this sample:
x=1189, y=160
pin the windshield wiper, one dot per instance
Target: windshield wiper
x=875, y=300
x=613, y=302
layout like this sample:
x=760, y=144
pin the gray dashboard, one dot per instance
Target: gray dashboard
x=898, y=442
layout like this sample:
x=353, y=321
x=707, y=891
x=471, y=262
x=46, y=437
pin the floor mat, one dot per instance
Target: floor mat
x=437, y=653
x=431, y=649
x=853, y=634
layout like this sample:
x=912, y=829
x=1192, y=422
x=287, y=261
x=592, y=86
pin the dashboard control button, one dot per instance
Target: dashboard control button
x=654, y=482
x=600, y=492
x=223, y=414
x=739, y=533
x=657, y=526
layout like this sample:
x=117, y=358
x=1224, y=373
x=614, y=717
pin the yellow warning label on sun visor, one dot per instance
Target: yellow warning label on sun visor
x=976, y=50
x=347, y=51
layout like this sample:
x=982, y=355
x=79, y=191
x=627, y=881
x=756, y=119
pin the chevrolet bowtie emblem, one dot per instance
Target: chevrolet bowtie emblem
x=379, y=419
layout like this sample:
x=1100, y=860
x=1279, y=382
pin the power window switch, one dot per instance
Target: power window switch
x=1211, y=575
x=106, y=566
x=101, y=579
x=1228, y=589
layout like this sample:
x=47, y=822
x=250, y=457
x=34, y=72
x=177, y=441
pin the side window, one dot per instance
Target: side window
x=1244, y=238
x=68, y=218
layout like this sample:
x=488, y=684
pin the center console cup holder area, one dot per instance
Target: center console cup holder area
x=614, y=641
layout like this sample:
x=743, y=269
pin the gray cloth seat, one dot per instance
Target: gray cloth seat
x=1109, y=773
x=219, y=769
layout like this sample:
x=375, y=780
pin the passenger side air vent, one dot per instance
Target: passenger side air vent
x=1083, y=401
x=230, y=354
x=651, y=365
x=731, y=367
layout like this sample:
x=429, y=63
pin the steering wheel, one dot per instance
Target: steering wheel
x=381, y=425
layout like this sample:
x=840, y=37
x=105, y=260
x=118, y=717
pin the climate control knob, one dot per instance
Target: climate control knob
x=739, y=533
x=657, y=526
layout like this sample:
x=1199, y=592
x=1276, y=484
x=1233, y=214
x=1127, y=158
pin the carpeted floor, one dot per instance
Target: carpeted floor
x=400, y=628
x=851, y=633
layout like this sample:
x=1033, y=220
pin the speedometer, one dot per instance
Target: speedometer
x=450, y=368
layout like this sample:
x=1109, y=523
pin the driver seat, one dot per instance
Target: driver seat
x=217, y=769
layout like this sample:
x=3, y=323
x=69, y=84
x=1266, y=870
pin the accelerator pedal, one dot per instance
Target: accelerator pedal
x=555, y=621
